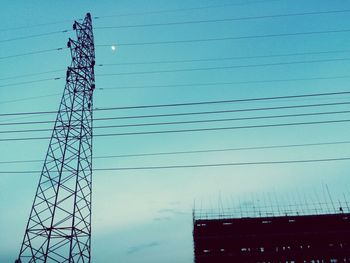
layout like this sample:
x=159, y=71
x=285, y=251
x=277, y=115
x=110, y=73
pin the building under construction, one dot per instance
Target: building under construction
x=317, y=238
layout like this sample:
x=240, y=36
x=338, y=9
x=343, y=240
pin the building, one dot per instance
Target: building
x=299, y=238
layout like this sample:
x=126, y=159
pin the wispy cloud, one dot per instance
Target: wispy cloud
x=166, y=210
x=171, y=211
x=165, y=218
x=138, y=248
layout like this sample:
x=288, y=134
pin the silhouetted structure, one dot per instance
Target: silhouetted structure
x=59, y=225
x=307, y=238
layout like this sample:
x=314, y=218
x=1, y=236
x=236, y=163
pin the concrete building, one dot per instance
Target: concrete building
x=289, y=238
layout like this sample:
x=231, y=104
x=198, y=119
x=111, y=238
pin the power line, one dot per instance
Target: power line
x=189, y=41
x=208, y=103
x=16, y=119
x=29, y=98
x=34, y=36
x=226, y=83
x=181, y=23
x=225, y=149
x=28, y=113
x=224, y=19
x=30, y=82
x=189, y=60
x=222, y=164
x=201, y=102
x=33, y=53
x=222, y=128
x=224, y=67
x=135, y=14
x=26, y=123
x=190, y=130
x=221, y=120
x=224, y=58
x=219, y=102
x=215, y=112
x=190, y=122
x=228, y=38
x=188, y=113
x=165, y=86
x=183, y=70
x=184, y=9
x=197, y=151
x=33, y=74
x=175, y=70
x=36, y=25
x=200, y=165
x=201, y=112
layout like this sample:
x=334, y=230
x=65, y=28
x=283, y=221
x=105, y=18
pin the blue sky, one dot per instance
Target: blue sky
x=148, y=213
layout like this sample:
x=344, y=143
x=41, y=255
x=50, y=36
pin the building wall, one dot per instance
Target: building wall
x=321, y=238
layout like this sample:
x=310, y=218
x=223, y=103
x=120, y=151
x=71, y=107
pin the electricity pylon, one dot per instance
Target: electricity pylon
x=59, y=225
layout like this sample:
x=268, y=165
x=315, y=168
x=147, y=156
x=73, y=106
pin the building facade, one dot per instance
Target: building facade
x=307, y=238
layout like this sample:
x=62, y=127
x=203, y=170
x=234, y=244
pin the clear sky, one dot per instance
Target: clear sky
x=147, y=214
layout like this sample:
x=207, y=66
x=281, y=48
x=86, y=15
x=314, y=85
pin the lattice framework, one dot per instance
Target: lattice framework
x=59, y=225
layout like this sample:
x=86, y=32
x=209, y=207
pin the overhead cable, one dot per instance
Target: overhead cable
x=190, y=130
x=211, y=102
x=196, y=151
x=228, y=38
x=191, y=22
x=202, y=165
x=190, y=121
x=224, y=67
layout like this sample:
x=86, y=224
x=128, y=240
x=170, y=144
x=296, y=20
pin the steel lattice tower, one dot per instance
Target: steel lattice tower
x=59, y=225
